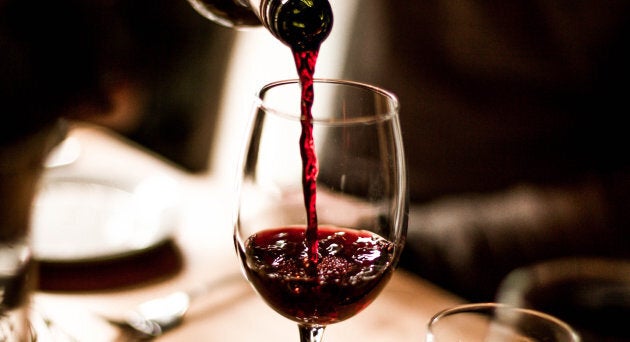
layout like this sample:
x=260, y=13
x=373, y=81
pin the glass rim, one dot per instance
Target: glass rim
x=376, y=117
x=476, y=307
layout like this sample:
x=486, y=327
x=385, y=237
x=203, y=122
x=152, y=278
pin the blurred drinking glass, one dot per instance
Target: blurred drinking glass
x=495, y=322
x=20, y=168
x=591, y=294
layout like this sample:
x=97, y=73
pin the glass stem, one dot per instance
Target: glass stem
x=311, y=333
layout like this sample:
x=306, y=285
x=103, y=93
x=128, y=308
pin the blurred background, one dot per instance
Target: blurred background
x=183, y=85
x=512, y=113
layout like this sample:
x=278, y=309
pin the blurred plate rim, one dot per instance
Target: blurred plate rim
x=154, y=235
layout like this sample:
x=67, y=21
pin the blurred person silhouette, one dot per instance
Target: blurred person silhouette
x=114, y=62
x=151, y=65
x=513, y=121
x=47, y=70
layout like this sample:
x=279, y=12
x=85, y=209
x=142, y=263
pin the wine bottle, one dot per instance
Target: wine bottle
x=300, y=24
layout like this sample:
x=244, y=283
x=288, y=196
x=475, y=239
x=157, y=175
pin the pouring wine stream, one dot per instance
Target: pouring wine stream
x=305, y=48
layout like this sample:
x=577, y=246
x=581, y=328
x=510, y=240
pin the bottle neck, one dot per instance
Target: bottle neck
x=300, y=24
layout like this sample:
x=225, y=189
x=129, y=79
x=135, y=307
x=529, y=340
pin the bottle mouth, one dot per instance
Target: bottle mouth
x=301, y=24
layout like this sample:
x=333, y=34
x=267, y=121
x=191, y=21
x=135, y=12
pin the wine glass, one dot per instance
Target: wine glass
x=324, y=273
x=497, y=322
x=590, y=293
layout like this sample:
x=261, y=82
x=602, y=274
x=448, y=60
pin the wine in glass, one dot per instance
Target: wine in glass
x=322, y=210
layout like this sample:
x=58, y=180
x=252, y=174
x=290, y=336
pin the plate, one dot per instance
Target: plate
x=80, y=220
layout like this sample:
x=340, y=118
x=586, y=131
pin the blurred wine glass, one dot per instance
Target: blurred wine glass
x=592, y=294
x=496, y=322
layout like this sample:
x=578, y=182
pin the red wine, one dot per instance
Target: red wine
x=305, y=62
x=303, y=26
x=353, y=267
x=314, y=23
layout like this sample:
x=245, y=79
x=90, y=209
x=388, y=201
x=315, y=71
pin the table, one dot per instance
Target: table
x=232, y=311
